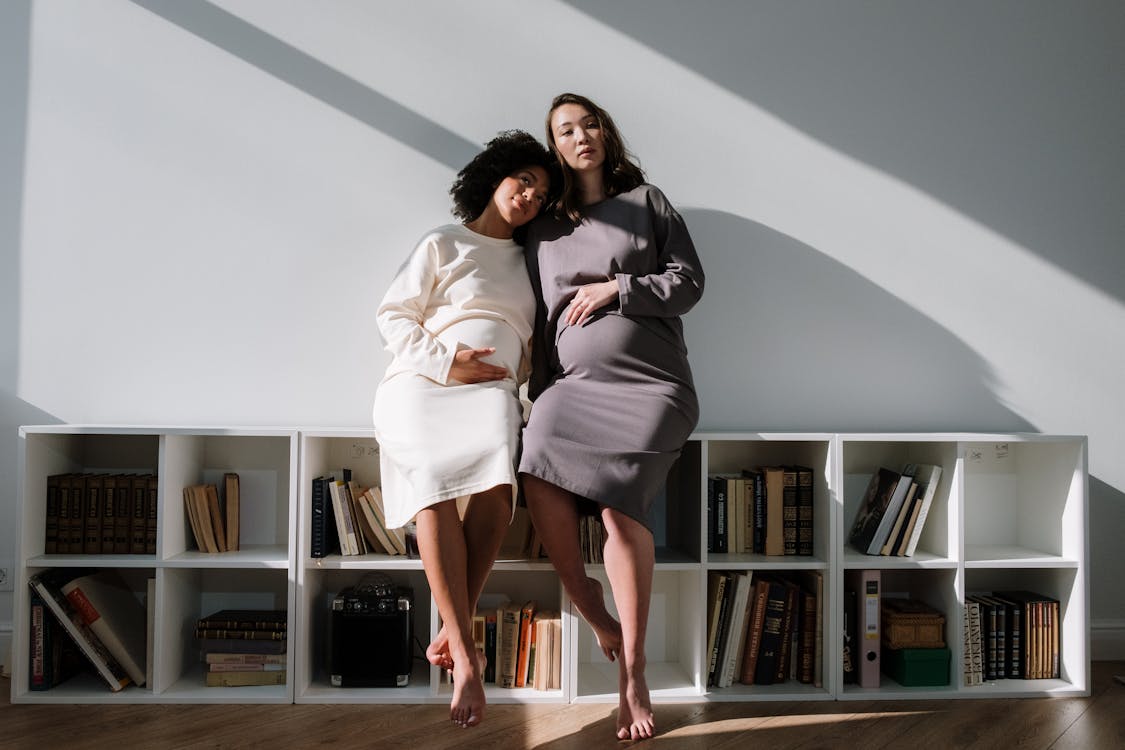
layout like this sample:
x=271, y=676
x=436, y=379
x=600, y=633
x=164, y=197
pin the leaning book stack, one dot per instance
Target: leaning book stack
x=214, y=516
x=242, y=647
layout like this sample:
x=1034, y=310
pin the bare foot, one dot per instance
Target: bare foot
x=634, y=709
x=467, y=707
x=437, y=653
x=607, y=630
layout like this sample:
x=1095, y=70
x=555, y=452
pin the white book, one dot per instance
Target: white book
x=111, y=610
x=927, y=476
x=736, y=631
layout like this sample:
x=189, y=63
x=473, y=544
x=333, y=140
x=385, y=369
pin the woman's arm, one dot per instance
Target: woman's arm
x=679, y=283
x=402, y=312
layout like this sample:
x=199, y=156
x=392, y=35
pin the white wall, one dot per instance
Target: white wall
x=909, y=212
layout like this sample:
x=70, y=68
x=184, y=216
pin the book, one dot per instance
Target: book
x=789, y=620
x=894, y=537
x=367, y=525
x=908, y=527
x=152, y=520
x=874, y=506
x=245, y=619
x=769, y=653
x=241, y=646
x=716, y=587
x=138, y=520
x=927, y=476
x=47, y=585
x=813, y=581
x=774, y=483
x=322, y=537
x=110, y=501
x=850, y=650
x=235, y=634
x=867, y=585
x=733, y=650
x=53, y=657
x=789, y=509
x=74, y=519
x=51, y=519
x=247, y=660
x=507, y=647
x=805, y=508
x=719, y=487
x=244, y=678
x=92, y=525
x=527, y=612
x=110, y=609
x=232, y=505
x=396, y=538
x=245, y=667
x=351, y=492
x=490, y=646
x=215, y=511
x=345, y=525
x=756, y=621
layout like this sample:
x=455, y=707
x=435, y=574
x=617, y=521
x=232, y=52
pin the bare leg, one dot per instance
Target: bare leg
x=484, y=526
x=555, y=517
x=444, y=549
x=629, y=560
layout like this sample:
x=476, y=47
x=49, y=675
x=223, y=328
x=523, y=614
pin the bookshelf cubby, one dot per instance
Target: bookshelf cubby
x=1010, y=512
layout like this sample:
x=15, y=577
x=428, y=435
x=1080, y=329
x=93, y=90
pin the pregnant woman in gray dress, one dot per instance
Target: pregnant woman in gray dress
x=613, y=270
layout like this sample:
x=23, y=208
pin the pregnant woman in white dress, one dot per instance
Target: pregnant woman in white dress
x=458, y=319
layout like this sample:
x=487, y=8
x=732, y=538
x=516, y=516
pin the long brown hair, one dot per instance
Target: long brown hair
x=619, y=170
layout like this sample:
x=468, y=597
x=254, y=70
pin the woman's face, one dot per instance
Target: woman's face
x=520, y=195
x=578, y=137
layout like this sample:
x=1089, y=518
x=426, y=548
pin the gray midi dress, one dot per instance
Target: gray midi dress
x=613, y=399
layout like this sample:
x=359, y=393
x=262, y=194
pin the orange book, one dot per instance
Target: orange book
x=527, y=613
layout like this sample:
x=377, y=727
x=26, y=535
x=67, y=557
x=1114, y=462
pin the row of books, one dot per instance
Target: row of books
x=522, y=645
x=893, y=510
x=764, y=629
x=350, y=520
x=1011, y=634
x=100, y=514
x=92, y=613
x=214, y=519
x=765, y=510
x=243, y=647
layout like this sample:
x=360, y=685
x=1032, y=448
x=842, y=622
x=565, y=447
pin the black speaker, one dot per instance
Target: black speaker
x=372, y=628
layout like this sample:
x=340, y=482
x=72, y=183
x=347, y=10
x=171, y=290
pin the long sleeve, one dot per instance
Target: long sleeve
x=401, y=315
x=679, y=284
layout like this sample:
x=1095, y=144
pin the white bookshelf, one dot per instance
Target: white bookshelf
x=1010, y=512
x=189, y=584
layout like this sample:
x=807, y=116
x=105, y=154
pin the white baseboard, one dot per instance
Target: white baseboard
x=1107, y=640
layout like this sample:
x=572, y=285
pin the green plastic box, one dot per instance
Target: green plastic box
x=917, y=667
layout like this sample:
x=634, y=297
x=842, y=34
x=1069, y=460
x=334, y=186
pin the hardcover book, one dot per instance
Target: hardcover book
x=110, y=609
x=47, y=586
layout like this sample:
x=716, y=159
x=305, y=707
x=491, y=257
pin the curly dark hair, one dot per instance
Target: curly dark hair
x=620, y=169
x=508, y=152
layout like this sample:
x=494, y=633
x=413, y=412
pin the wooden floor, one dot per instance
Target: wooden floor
x=1086, y=723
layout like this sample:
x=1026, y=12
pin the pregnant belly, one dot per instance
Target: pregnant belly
x=618, y=349
x=479, y=333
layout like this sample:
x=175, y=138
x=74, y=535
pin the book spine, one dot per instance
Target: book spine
x=317, y=544
x=92, y=537
x=770, y=648
x=51, y=521
x=721, y=535
x=152, y=522
x=789, y=511
x=110, y=493
x=804, y=511
x=249, y=635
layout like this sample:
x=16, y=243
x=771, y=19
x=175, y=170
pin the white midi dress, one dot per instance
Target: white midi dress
x=440, y=439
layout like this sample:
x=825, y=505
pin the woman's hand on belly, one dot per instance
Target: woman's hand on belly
x=589, y=298
x=467, y=367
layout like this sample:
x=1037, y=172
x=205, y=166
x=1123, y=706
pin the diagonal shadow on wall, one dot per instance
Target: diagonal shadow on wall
x=304, y=72
x=780, y=323
x=1010, y=111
